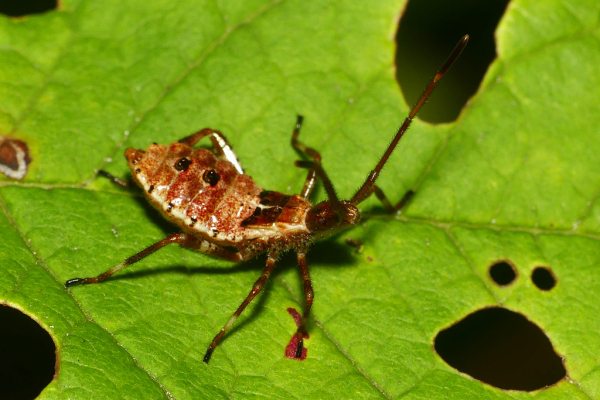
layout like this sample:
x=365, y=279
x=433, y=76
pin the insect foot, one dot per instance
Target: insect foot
x=79, y=281
x=220, y=211
x=292, y=350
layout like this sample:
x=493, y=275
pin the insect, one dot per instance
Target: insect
x=222, y=212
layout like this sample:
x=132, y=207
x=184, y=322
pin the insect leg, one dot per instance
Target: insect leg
x=308, y=298
x=256, y=289
x=175, y=238
x=113, y=178
x=403, y=201
x=220, y=144
x=387, y=204
x=212, y=249
x=311, y=179
x=184, y=239
x=320, y=172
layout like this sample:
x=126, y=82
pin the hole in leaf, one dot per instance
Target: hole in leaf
x=17, y=8
x=428, y=31
x=543, y=278
x=501, y=348
x=503, y=273
x=27, y=355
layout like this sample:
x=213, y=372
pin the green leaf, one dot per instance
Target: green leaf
x=514, y=178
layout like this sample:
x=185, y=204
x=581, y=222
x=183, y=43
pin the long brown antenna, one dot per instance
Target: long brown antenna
x=367, y=187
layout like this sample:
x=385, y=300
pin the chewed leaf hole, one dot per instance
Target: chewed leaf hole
x=428, y=29
x=20, y=8
x=543, y=278
x=503, y=273
x=27, y=355
x=14, y=157
x=501, y=348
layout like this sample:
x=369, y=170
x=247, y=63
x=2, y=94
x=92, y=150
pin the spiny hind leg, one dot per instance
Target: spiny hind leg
x=220, y=144
x=184, y=239
x=176, y=238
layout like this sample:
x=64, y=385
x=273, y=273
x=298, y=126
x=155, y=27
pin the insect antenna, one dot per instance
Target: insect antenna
x=369, y=186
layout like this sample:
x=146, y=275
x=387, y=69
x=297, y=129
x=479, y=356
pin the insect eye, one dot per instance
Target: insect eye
x=211, y=177
x=183, y=164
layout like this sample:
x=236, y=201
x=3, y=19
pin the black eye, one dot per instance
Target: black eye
x=183, y=164
x=211, y=177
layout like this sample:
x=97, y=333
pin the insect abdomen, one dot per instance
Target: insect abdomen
x=195, y=190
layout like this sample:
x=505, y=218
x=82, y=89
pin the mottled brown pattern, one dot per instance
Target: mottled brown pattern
x=220, y=213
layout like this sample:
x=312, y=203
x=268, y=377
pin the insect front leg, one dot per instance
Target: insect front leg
x=309, y=296
x=256, y=289
x=311, y=179
x=220, y=145
x=315, y=166
x=387, y=204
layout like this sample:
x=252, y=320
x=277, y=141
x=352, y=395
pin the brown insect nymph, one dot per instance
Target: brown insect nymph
x=222, y=212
